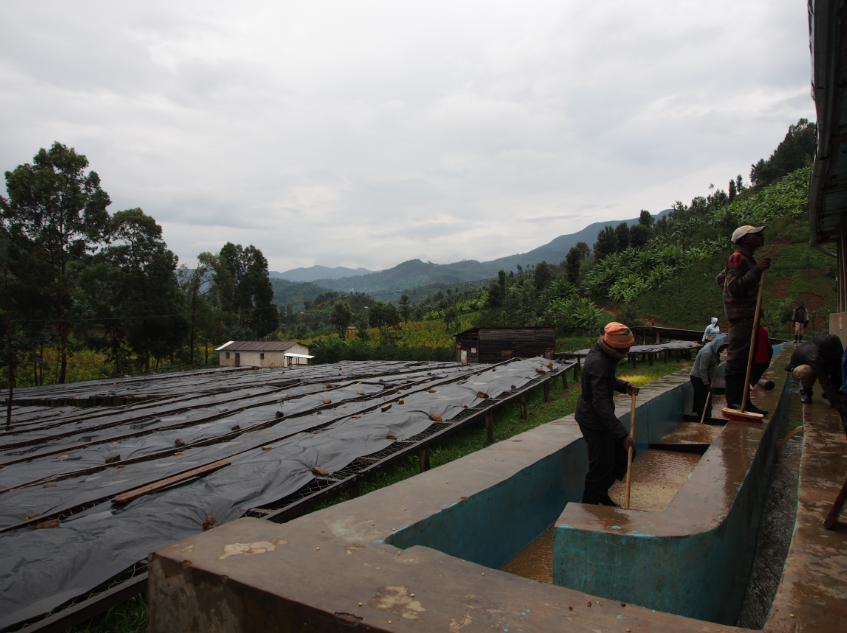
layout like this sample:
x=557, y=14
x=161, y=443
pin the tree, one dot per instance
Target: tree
x=193, y=283
x=606, y=244
x=573, y=261
x=622, y=235
x=61, y=210
x=645, y=219
x=405, y=307
x=584, y=249
x=542, y=276
x=732, y=190
x=242, y=286
x=796, y=150
x=342, y=316
x=147, y=292
x=639, y=235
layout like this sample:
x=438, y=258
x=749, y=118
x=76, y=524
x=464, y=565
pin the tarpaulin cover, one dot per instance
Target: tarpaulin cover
x=42, y=568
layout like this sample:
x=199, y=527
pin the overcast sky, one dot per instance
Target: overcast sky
x=368, y=133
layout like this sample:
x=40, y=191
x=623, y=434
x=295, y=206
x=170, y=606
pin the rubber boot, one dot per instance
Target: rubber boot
x=767, y=384
x=805, y=395
x=733, y=394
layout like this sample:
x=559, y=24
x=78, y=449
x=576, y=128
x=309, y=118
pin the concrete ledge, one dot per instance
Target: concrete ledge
x=814, y=581
x=693, y=559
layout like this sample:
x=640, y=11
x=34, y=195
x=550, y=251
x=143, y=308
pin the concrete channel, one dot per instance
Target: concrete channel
x=424, y=554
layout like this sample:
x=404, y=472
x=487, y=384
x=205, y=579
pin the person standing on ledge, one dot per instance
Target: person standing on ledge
x=607, y=439
x=740, y=283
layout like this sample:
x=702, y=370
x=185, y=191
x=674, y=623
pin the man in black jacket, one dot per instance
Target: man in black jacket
x=607, y=439
x=818, y=359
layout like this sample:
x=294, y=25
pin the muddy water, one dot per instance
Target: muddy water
x=535, y=561
x=656, y=478
x=777, y=527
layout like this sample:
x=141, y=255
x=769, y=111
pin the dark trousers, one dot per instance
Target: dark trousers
x=740, y=333
x=607, y=461
x=701, y=392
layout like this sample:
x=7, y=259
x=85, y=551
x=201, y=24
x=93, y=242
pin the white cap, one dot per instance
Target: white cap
x=741, y=231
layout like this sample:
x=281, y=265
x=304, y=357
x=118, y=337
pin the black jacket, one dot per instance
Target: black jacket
x=595, y=408
x=823, y=355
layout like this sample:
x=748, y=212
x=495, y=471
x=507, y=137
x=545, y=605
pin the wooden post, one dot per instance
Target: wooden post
x=633, y=358
x=489, y=426
x=576, y=369
x=423, y=456
x=523, y=406
x=629, y=452
x=650, y=356
x=355, y=489
x=565, y=380
x=547, y=391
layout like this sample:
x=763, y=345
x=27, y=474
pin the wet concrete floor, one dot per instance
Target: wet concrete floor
x=777, y=527
x=535, y=561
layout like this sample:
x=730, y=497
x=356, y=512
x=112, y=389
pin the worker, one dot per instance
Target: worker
x=762, y=355
x=703, y=372
x=801, y=320
x=819, y=359
x=711, y=331
x=607, y=439
x=740, y=283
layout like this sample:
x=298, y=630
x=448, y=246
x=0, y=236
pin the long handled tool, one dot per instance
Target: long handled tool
x=709, y=395
x=629, y=453
x=741, y=414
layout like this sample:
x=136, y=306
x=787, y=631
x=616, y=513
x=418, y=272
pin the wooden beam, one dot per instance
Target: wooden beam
x=162, y=483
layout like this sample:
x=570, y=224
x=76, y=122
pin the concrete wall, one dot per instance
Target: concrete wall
x=694, y=559
x=492, y=526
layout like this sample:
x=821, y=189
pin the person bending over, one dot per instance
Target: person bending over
x=819, y=359
x=607, y=439
x=703, y=372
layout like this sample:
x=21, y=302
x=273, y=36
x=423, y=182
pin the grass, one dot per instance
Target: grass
x=131, y=616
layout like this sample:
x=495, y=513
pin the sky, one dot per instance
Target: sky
x=372, y=132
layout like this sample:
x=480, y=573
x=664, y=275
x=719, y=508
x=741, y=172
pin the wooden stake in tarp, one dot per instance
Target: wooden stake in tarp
x=630, y=451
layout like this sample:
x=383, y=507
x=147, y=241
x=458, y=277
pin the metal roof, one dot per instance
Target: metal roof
x=258, y=346
x=828, y=186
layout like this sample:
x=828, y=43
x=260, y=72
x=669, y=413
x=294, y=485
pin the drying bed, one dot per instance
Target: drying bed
x=250, y=442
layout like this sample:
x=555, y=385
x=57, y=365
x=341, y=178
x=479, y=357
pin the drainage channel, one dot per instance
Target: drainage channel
x=777, y=524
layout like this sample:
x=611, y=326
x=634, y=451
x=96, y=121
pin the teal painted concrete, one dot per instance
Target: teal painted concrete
x=701, y=574
x=493, y=525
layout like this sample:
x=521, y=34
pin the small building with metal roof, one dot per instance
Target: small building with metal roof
x=496, y=344
x=263, y=354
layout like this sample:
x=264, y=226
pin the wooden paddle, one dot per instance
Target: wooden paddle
x=741, y=414
x=709, y=395
x=630, y=452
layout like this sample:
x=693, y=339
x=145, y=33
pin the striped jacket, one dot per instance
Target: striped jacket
x=740, y=283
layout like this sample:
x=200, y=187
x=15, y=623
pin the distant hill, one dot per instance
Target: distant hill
x=415, y=273
x=319, y=272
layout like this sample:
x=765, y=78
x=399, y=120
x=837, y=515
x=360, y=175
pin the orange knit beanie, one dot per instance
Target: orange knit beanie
x=618, y=335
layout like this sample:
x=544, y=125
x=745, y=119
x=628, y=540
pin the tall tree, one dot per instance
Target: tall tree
x=606, y=244
x=645, y=219
x=639, y=235
x=148, y=292
x=542, y=277
x=622, y=235
x=194, y=283
x=405, y=307
x=573, y=261
x=61, y=209
x=242, y=286
x=341, y=317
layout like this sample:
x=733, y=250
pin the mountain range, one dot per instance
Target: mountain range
x=414, y=273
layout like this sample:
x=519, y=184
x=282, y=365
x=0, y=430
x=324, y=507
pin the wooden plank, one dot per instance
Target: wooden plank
x=162, y=483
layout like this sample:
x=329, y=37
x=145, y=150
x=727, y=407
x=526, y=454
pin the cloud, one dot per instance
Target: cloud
x=374, y=132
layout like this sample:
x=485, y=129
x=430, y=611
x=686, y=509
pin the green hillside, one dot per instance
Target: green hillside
x=798, y=273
